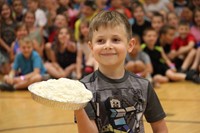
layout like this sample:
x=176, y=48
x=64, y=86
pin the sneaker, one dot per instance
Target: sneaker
x=181, y=71
x=196, y=79
x=193, y=76
x=6, y=87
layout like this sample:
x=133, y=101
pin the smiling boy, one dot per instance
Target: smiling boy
x=120, y=98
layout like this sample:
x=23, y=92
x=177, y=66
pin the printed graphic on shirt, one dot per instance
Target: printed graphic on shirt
x=123, y=113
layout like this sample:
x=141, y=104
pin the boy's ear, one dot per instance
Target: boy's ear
x=131, y=44
x=90, y=45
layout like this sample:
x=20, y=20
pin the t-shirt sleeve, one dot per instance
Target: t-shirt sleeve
x=36, y=60
x=90, y=111
x=16, y=62
x=174, y=45
x=191, y=38
x=146, y=58
x=154, y=111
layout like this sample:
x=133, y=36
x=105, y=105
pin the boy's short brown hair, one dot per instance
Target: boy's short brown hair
x=184, y=23
x=26, y=40
x=109, y=18
x=166, y=28
x=147, y=30
x=159, y=15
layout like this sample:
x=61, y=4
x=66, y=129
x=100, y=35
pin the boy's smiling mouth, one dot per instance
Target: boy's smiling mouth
x=108, y=54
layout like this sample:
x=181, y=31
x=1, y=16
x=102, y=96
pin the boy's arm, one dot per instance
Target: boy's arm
x=79, y=64
x=38, y=47
x=10, y=77
x=167, y=60
x=186, y=49
x=85, y=125
x=172, y=54
x=35, y=71
x=159, y=126
x=12, y=55
x=147, y=70
x=4, y=45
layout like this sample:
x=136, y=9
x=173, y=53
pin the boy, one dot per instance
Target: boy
x=120, y=97
x=140, y=23
x=27, y=68
x=163, y=69
x=182, y=49
x=138, y=61
x=167, y=34
x=157, y=21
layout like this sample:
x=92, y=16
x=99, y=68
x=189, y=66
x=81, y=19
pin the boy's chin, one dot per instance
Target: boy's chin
x=183, y=37
x=27, y=56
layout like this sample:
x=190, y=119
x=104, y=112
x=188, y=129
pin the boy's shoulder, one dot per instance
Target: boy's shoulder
x=89, y=78
x=188, y=36
x=138, y=78
x=128, y=75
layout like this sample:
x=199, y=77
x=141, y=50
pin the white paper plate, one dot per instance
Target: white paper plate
x=67, y=105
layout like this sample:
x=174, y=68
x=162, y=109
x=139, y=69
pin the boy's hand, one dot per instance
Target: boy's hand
x=173, y=67
x=172, y=55
x=8, y=79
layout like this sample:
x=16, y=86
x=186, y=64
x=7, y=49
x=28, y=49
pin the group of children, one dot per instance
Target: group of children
x=105, y=48
x=166, y=50
x=171, y=44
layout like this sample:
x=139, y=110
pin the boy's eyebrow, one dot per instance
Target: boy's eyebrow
x=115, y=35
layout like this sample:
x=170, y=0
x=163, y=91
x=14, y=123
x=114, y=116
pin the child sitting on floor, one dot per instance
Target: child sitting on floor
x=27, y=68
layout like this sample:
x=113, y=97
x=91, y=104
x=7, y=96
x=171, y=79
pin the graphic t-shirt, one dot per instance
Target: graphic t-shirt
x=119, y=104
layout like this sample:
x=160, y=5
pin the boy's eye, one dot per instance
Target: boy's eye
x=115, y=40
x=100, y=41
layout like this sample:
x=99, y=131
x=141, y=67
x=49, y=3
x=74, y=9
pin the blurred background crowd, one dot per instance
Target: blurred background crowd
x=43, y=39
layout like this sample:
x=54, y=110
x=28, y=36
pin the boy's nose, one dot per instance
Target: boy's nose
x=108, y=45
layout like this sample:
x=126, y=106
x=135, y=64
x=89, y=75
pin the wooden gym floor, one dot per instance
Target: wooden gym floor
x=20, y=114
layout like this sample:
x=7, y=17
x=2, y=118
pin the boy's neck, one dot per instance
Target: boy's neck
x=162, y=42
x=28, y=57
x=140, y=22
x=113, y=73
x=151, y=46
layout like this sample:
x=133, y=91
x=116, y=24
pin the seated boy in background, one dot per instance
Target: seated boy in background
x=163, y=69
x=182, y=49
x=27, y=68
x=138, y=61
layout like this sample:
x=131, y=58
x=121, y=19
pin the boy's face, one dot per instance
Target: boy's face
x=109, y=46
x=169, y=36
x=87, y=11
x=150, y=38
x=172, y=20
x=17, y=6
x=183, y=31
x=157, y=23
x=26, y=49
x=32, y=5
x=186, y=14
x=138, y=13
